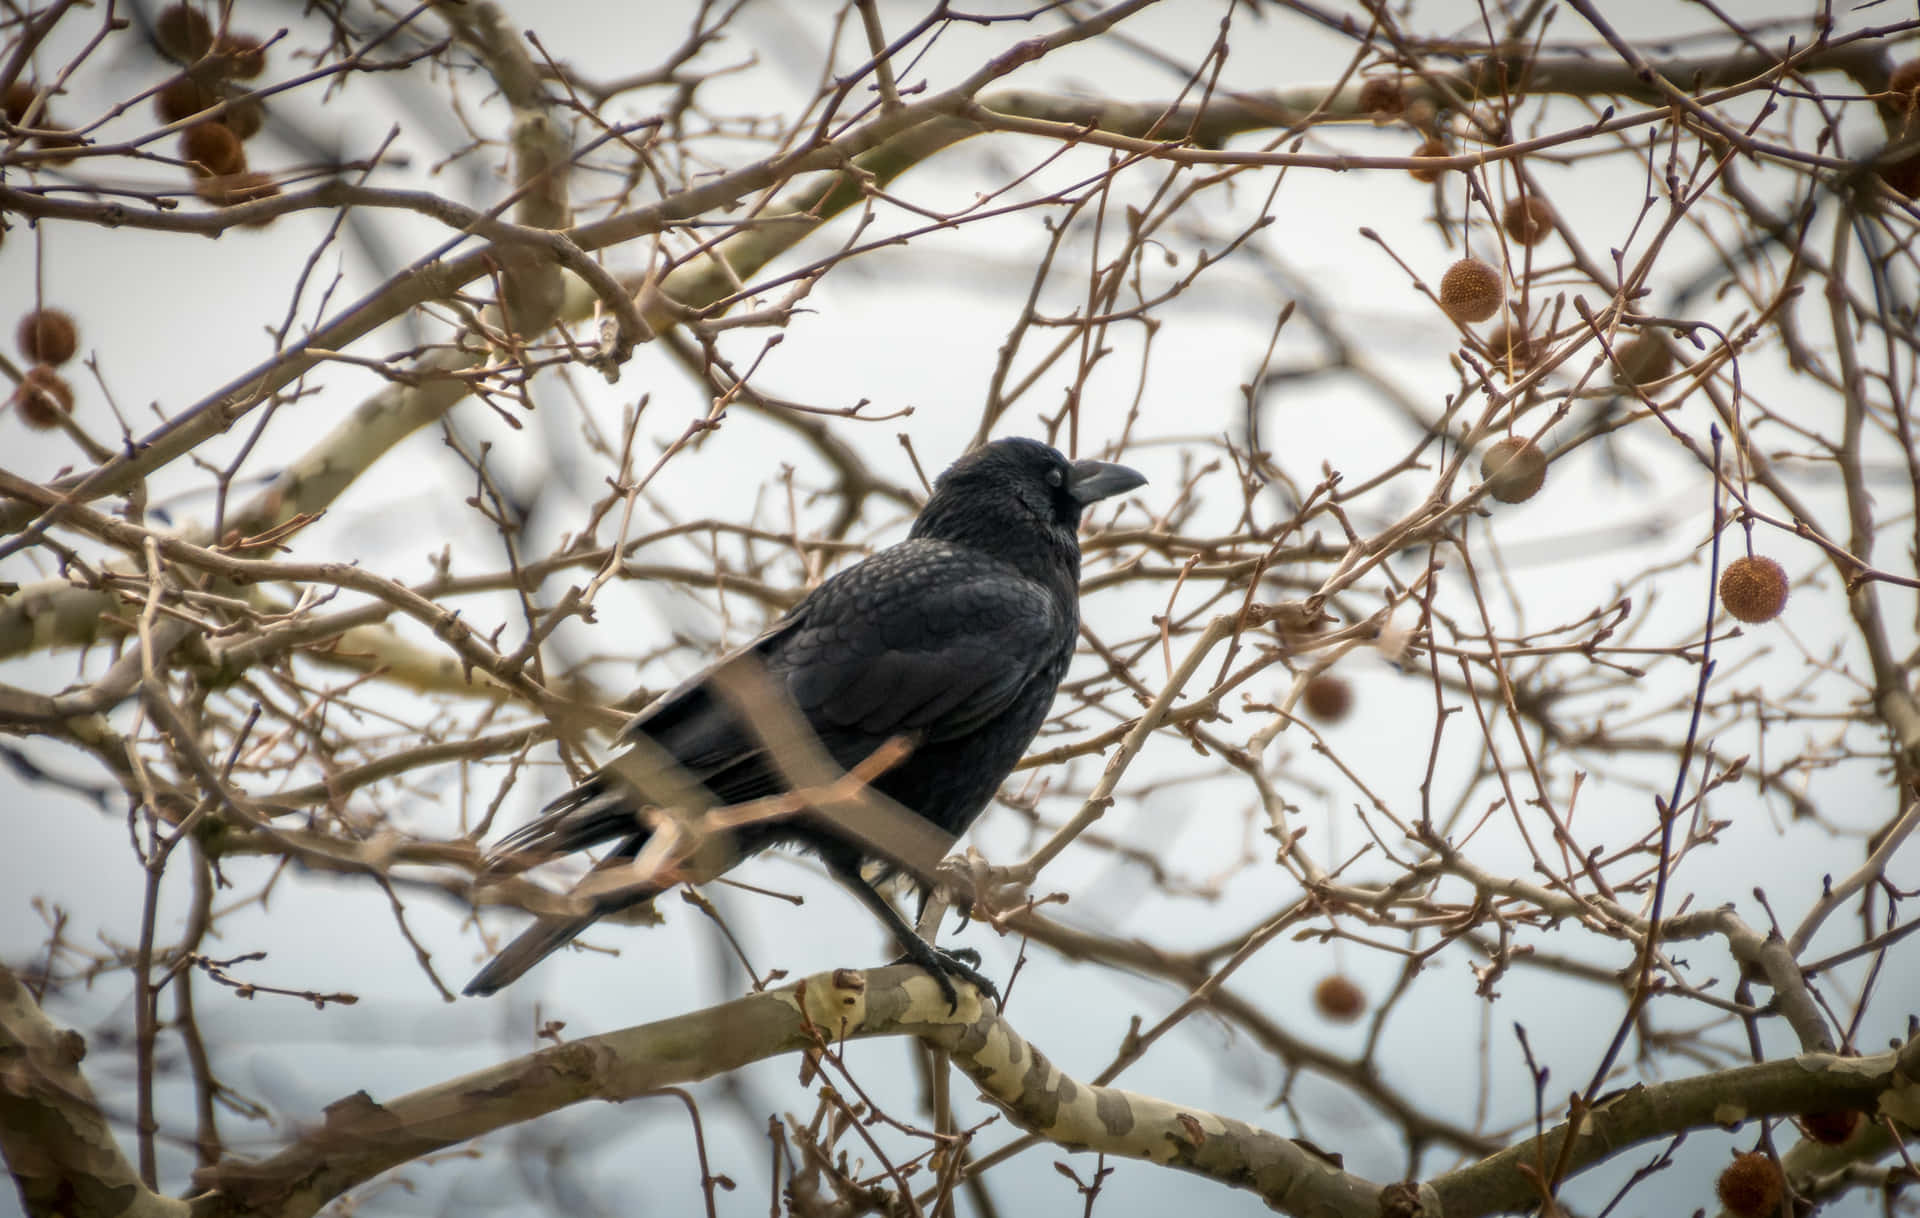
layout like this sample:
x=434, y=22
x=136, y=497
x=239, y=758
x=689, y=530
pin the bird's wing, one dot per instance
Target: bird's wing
x=690, y=722
x=926, y=639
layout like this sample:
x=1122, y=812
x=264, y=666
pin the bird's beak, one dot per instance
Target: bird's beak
x=1092, y=481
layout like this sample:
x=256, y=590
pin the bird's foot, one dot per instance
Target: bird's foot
x=944, y=966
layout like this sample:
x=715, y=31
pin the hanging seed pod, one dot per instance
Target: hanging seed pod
x=182, y=98
x=1514, y=469
x=1644, y=359
x=233, y=189
x=47, y=336
x=1528, y=221
x=1751, y=1186
x=41, y=397
x=1753, y=589
x=1471, y=290
x=1339, y=999
x=242, y=56
x=1513, y=348
x=183, y=32
x=1433, y=145
x=213, y=150
x=1327, y=698
x=1382, y=99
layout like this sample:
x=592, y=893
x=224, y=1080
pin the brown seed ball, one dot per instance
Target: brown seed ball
x=47, y=336
x=19, y=99
x=55, y=142
x=1644, y=359
x=182, y=98
x=1431, y=146
x=42, y=396
x=1832, y=1127
x=1514, y=469
x=1904, y=86
x=1903, y=175
x=1382, y=98
x=1750, y=1187
x=242, y=55
x=1339, y=999
x=1516, y=350
x=213, y=150
x=245, y=117
x=1471, y=290
x=1753, y=589
x=233, y=189
x=1327, y=698
x=1528, y=221
x=183, y=32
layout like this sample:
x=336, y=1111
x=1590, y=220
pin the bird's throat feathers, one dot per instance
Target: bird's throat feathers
x=1041, y=547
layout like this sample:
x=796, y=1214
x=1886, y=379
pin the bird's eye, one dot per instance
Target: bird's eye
x=1055, y=477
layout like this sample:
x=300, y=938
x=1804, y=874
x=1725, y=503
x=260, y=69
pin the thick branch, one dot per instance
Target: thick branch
x=62, y=1155
x=363, y=1137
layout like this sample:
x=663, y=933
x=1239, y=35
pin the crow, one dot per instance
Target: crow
x=954, y=641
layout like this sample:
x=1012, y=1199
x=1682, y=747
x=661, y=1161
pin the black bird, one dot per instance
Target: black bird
x=956, y=639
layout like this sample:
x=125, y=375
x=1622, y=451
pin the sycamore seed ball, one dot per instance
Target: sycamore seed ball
x=243, y=55
x=1750, y=1187
x=1644, y=359
x=1528, y=221
x=1514, y=349
x=1433, y=145
x=1903, y=175
x=245, y=116
x=1382, y=98
x=182, y=98
x=1339, y=999
x=212, y=149
x=1327, y=698
x=47, y=336
x=1514, y=469
x=1833, y=1126
x=58, y=140
x=42, y=396
x=183, y=32
x=19, y=99
x=1471, y=290
x=231, y=190
x=1753, y=589
x=1904, y=86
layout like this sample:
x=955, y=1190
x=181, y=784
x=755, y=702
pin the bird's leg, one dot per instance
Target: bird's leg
x=942, y=965
x=962, y=910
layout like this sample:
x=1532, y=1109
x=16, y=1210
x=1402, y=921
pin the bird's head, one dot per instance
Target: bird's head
x=1018, y=488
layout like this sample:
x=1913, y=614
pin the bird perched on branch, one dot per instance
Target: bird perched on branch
x=952, y=643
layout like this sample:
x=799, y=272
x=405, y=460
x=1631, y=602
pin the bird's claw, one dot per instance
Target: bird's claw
x=944, y=966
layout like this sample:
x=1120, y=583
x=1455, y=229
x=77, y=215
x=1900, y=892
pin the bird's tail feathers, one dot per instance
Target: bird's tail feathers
x=588, y=815
x=550, y=933
x=534, y=944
